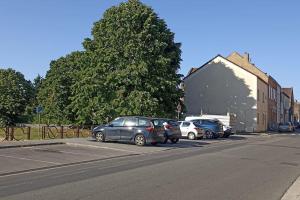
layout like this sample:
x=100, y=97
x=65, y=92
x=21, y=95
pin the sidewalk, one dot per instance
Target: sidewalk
x=293, y=193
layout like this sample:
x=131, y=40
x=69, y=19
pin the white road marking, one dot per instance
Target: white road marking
x=43, y=161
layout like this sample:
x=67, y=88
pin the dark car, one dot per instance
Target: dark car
x=137, y=129
x=171, y=127
x=212, y=128
x=286, y=127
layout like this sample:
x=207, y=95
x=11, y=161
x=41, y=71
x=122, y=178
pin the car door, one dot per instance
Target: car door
x=112, y=132
x=184, y=127
x=128, y=130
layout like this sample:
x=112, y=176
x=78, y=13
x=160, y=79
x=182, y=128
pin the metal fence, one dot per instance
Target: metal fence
x=17, y=133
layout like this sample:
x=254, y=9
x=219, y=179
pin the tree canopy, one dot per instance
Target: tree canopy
x=129, y=67
x=15, y=94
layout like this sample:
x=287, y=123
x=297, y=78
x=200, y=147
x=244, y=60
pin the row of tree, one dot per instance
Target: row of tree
x=128, y=67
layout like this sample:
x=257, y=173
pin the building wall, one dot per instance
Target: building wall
x=262, y=106
x=220, y=87
x=297, y=111
x=286, y=107
x=272, y=104
x=278, y=104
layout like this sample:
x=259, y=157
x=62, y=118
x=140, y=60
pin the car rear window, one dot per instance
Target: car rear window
x=172, y=122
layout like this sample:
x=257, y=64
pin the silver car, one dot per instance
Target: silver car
x=287, y=127
x=191, y=130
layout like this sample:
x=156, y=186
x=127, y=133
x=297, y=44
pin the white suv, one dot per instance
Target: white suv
x=190, y=130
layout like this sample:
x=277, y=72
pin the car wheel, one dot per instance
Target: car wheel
x=140, y=140
x=100, y=137
x=209, y=135
x=191, y=136
x=174, y=140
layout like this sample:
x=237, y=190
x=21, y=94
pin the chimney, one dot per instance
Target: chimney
x=247, y=57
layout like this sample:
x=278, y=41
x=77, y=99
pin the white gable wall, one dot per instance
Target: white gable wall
x=220, y=87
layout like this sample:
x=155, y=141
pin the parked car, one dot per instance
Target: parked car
x=286, y=127
x=171, y=127
x=227, y=131
x=191, y=130
x=297, y=125
x=137, y=129
x=212, y=128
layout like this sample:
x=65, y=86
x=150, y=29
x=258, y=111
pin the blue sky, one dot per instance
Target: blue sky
x=34, y=32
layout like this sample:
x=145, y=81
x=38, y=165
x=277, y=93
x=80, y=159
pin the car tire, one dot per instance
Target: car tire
x=139, y=140
x=200, y=138
x=174, y=140
x=165, y=139
x=209, y=134
x=191, y=136
x=100, y=137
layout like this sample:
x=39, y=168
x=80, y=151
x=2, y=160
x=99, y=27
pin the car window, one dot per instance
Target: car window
x=118, y=121
x=186, y=124
x=130, y=122
x=172, y=122
x=208, y=122
x=158, y=122
x=144, y=122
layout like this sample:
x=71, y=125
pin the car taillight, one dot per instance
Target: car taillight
x=198, y=129
x=150, y=129
x=168, y=126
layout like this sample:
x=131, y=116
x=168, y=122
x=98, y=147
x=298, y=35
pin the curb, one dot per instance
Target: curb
x=293, y=193
x=30, y=145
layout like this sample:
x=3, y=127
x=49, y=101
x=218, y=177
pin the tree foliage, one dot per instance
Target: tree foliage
x=129, y=67
x=15, y=94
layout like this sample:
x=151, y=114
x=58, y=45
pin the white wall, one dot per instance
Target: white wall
x=220, y=87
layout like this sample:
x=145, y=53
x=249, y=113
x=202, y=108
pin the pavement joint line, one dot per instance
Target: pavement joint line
x=29, y=159
x=293, y=192
x=47, y=168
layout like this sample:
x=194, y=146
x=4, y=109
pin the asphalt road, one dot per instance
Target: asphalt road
x=252, y=167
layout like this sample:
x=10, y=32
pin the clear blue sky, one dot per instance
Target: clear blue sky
x=34, y=32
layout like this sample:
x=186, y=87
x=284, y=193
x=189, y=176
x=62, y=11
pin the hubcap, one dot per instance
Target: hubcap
x=99, y=136
x=191, y=136
x=140, y=140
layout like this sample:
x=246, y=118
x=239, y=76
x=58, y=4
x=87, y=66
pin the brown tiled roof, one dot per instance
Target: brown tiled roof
x=245, y=63
x=192, y=70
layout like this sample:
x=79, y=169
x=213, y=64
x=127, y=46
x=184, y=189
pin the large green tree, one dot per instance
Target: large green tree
x=55, y=90
x=15, y=94
x=129, y=67
x=135, y=64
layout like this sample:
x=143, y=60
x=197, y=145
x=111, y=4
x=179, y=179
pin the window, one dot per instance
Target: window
x=144, y=122
x=158, y=122
x=257, y=95
x=257, y=118
x=118, y=121
x=185, y=124
x=263, y=97
x=130, y=122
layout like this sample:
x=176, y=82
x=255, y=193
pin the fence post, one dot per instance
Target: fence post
x=61, y=132
x=43, y=132
x=11, y=135
x=77, y=131
x=28, y=132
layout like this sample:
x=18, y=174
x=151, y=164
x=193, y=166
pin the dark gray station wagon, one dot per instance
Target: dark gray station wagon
x=140, y=130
